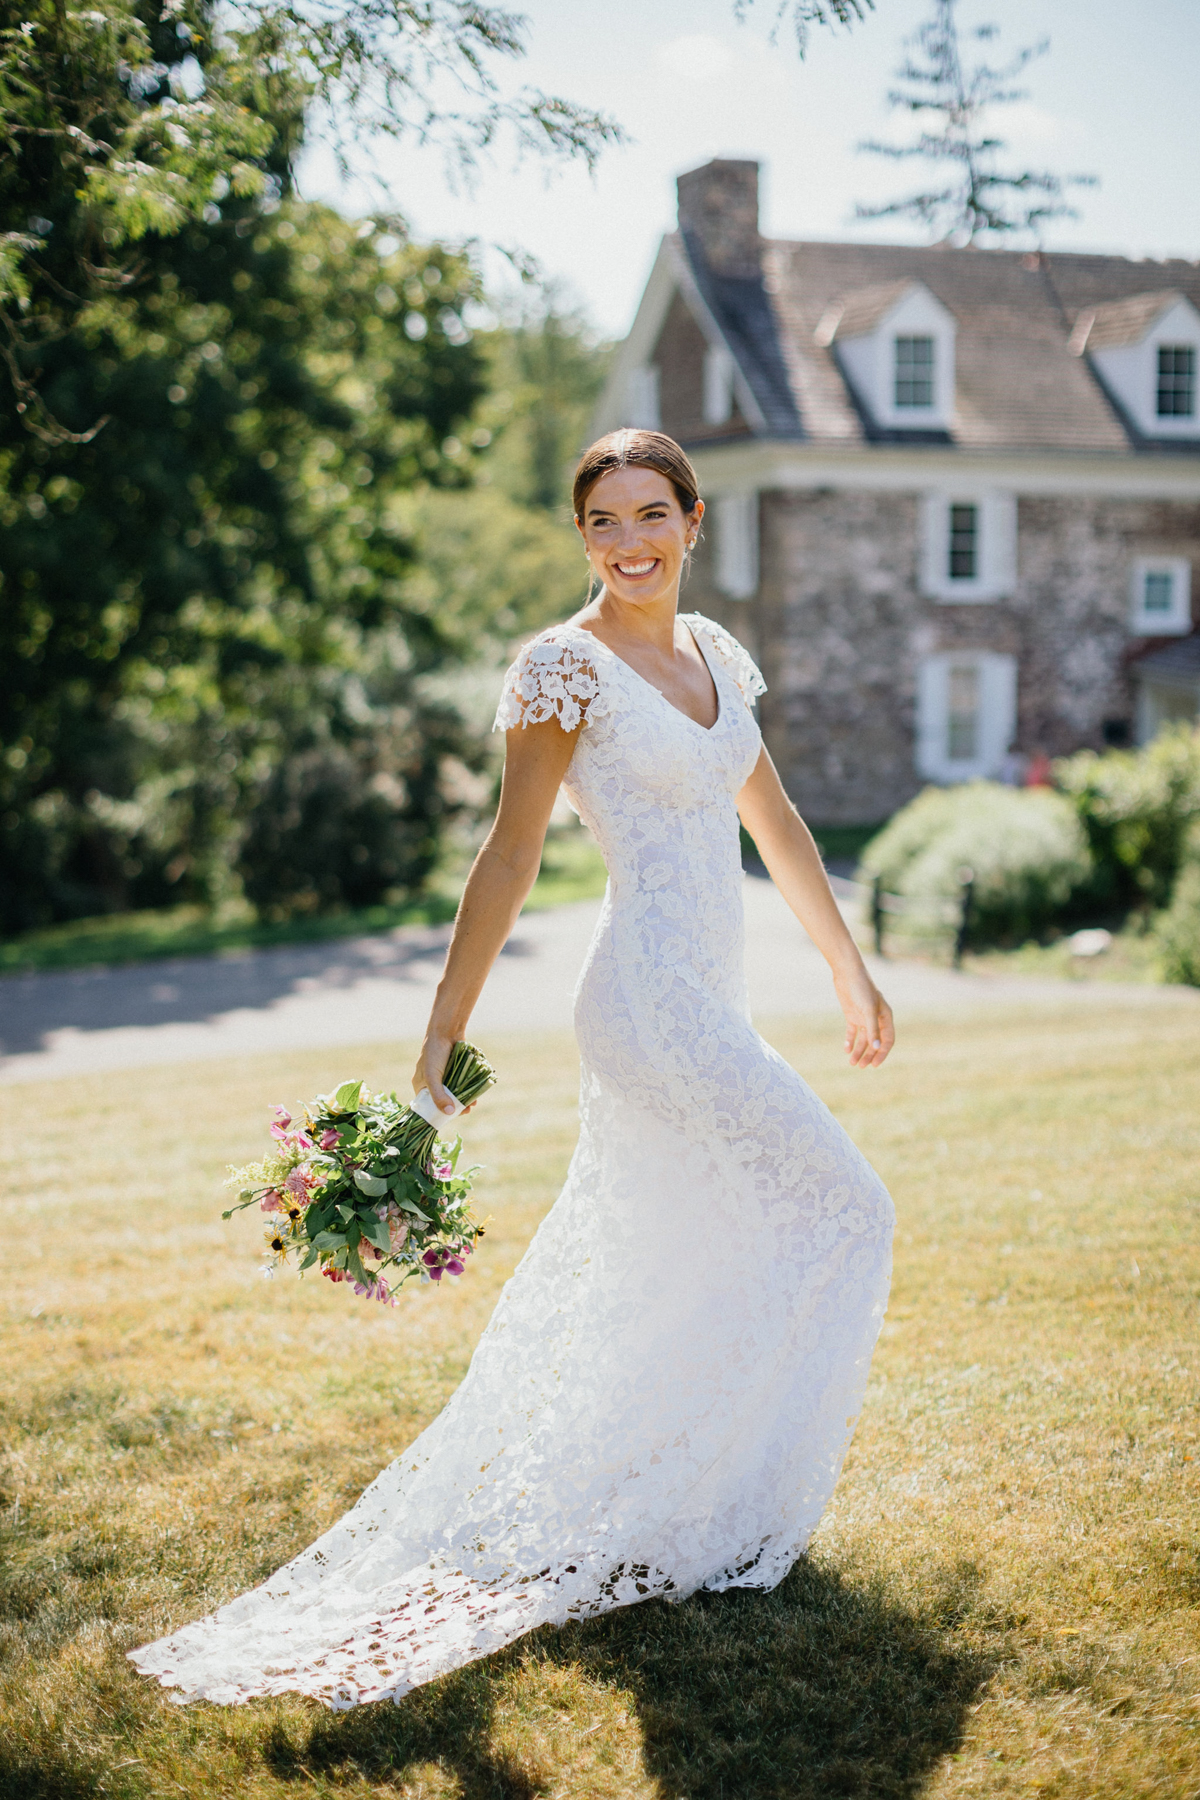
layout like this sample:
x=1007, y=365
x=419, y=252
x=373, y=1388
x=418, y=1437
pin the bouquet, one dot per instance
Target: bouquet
x=365, y=1188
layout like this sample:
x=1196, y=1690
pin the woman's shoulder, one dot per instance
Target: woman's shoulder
x=552, y=677
x=734, y=655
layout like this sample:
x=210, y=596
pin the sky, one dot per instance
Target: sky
x=1115, y=96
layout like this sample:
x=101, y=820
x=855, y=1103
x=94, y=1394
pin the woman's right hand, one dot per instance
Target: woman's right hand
x=435, y=1053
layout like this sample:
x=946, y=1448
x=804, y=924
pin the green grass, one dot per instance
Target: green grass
x=1001, y=1601
x=572, y=869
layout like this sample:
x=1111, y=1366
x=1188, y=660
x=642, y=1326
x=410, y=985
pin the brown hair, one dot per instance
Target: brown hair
x=635, y=449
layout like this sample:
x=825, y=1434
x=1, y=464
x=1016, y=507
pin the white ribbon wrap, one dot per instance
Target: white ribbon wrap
x=430, y=1111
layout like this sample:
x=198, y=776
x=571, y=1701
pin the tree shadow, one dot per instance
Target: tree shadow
x=826, y=1687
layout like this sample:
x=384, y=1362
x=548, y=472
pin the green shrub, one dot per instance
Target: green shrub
x=1136, y=807
x=1177, y=930
x=1026, y=847
x=328, y=834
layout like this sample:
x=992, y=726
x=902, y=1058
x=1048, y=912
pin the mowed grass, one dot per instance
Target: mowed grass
x=1002, y=1600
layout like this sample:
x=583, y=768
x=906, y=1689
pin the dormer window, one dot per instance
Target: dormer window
x=895, y=348
x=1145, y=351
x=914, y=371
x=1176, y=381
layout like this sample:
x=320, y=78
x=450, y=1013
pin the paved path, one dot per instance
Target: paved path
x=362, y=990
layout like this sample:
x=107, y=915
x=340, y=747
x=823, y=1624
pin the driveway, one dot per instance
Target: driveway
x=372, y=989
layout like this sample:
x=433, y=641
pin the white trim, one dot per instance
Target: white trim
x=996, y=675
x=908, y=468
x=635, y=352
x=735, y=529
x=1177, y=622
x=996, y=546
x=641, y=398
x=718, y=385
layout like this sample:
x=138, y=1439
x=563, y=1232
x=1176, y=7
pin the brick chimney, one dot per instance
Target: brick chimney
x=718, y=208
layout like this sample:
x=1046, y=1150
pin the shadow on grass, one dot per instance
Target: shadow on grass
x=824, y=1688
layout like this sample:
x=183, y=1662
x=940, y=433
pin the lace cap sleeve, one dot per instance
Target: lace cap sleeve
x=552, y=678
x=736, y=659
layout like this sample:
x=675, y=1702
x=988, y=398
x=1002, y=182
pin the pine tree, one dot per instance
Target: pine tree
x=978, y=198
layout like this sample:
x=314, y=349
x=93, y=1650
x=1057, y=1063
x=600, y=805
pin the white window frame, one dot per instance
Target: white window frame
x=642, y=402
x=995, y=546
x=1176, y=623
x=735, y=529
x=997, y=715
x=718, y=385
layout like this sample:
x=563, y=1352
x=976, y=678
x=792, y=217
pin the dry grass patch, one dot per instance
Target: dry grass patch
x=1003, y=1597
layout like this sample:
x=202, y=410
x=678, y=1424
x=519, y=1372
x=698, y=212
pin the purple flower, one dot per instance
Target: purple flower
x=328, y=1140
x=375, y=1290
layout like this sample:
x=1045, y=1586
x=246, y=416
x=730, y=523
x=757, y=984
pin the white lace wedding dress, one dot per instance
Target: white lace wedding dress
x=667, y=1388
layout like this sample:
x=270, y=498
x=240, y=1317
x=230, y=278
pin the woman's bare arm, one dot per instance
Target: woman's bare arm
x=794, y=863
x=535, y=761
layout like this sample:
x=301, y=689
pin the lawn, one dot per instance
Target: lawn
x=1002, y=1599
x=572, y=869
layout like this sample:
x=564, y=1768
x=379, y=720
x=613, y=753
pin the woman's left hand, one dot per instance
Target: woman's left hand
x=870, y=1031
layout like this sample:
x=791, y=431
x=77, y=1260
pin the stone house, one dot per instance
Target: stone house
x=954, y=494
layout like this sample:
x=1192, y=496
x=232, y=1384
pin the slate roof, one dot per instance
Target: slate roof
x=744, y=312
x=1115, y=323
x=860, y=312
x=1177, y=664
x=1018, y=384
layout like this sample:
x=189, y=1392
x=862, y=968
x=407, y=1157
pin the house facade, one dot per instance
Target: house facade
x=953, y=495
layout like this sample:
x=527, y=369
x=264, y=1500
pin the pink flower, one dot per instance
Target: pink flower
x=272, y=1201
x=283, y=1119
x=335, y=1274
x=398, y=1233
x=443, y=1171
x=375, y=1290
x=328, y=1140
x=298, y=1184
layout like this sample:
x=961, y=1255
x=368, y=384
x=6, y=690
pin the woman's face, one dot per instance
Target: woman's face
x=637, y=534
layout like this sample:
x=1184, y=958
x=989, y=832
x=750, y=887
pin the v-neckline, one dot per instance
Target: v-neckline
x=712, y=675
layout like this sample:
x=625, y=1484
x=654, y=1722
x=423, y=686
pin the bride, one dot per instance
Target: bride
x=666, y=1390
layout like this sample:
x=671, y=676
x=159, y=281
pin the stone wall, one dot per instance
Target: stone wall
x=839, y=626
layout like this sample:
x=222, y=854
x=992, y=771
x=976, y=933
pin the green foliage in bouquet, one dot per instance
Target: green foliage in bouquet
x=365, y=1189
